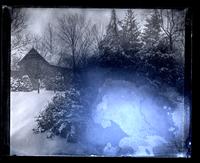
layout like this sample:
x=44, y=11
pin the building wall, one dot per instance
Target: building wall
x=38, y=69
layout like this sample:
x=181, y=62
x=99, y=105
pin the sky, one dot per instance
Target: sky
x=38, y=18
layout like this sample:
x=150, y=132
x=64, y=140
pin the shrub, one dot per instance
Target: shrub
x=62, y=117
x=21, y=84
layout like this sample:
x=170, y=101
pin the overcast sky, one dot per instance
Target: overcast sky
x=38, y=18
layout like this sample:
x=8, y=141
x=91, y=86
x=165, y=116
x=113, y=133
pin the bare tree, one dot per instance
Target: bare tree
x=19, y=37
x=86, y=46
x=14, y=62
x=74, y=31
x=17, y=21
x=172, y=25
x=49, y=41
x=98, y=34
x=36, y=42
x=46, y=44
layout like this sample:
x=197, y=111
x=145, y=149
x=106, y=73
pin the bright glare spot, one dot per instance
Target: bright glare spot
x=181, y=155
x=147, y=125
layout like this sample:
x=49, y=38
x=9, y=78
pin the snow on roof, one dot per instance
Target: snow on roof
x=50, y=59
x=30, y=54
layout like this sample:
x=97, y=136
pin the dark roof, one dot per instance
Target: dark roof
x=32, y=54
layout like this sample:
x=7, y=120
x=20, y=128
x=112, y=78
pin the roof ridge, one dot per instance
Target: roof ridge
x=33, y=51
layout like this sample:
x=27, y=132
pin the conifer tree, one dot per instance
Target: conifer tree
x=111, y=40
x=129, y=33
x=152, y=30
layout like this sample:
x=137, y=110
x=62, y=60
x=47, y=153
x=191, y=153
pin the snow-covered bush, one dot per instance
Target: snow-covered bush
x=163, y=67
x=14, y=84
x=62, y=117
x=21, y=84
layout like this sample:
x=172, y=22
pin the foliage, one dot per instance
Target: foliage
x=152, y=31
x=129, y=33
x=63, y=117
x=21, y=84
x=120, y=45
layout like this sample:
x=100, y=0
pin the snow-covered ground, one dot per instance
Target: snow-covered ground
x=25, y=106
x=124, y=117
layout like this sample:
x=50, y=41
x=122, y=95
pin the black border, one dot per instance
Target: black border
x=5, y=54
x=101, y=3
x=5, y=82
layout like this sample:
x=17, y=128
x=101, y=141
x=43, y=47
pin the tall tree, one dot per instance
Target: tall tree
x=112, y=29
x=85, y=47
x=111, y=40
x=98, y=34
x=74, y=31
x=17, y=21
x=50, y=41
x=20, y=38
x=47, y=44
x=172, y=25
x=152, y=31
x=49, y=38
x=129, y=33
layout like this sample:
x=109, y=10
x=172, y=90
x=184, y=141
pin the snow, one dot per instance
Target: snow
x=109, y=149
x=124, y=117
x=25, y=106
x=63, y=125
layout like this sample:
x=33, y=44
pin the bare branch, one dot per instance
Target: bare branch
x=75, y=33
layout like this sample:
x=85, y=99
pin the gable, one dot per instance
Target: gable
x=32, y=55
x=36, y=66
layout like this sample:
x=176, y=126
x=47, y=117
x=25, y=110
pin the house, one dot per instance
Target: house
x=37, y=68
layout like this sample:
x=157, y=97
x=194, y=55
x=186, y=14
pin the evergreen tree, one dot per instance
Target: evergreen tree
x=112, y=29
x=129, y=33
x=110, y=49
x=63, y=117
x=111, y=40
x=151, y=35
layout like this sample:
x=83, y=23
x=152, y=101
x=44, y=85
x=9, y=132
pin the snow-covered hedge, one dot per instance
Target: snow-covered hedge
x=21, y=84
x=62, y=117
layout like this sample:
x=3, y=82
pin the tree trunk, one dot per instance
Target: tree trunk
x=38, y=85
x=170, y=43
x=73, y=60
